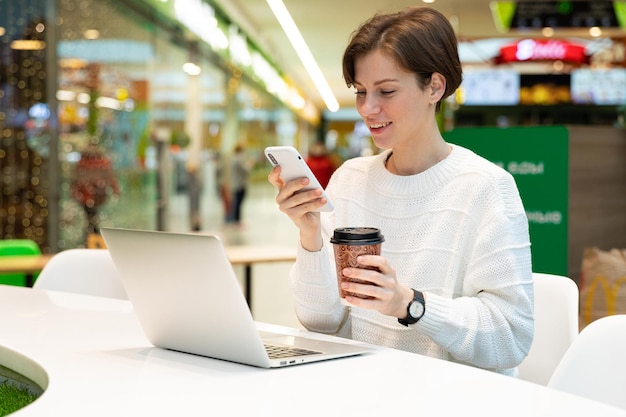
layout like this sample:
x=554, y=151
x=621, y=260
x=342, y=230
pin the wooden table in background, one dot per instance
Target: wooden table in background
x=248, y=255
x=27, y=264
x=245, y=255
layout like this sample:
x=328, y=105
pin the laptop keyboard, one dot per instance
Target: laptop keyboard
x=277, y=352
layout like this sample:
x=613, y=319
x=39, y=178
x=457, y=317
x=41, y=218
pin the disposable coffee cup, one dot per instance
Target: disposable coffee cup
x=349, y=243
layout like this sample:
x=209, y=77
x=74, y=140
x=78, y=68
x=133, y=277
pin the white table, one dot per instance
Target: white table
x=98, y=363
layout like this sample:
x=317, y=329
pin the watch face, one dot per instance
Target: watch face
x=416, y=309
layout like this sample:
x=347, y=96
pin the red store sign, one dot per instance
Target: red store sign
x=542, y=50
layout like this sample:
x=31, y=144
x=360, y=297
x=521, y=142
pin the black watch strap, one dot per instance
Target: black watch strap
x=415, y=310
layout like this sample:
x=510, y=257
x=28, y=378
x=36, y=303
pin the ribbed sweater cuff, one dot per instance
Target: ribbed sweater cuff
x=312, y=264
x=437, y=311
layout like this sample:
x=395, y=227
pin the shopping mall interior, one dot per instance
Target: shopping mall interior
x=157, y=93
x=129, y=114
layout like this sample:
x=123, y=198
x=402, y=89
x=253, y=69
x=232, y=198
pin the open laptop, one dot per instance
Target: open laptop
x=187, y=298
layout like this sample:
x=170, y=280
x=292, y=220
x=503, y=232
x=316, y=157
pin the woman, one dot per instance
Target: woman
x=455, y=278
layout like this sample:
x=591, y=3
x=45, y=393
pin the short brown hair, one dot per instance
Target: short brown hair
x=420, y=39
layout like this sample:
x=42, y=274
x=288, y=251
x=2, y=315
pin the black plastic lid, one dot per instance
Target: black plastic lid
x=357, y=236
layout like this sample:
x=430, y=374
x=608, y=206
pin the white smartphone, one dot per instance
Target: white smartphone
x=293, y=166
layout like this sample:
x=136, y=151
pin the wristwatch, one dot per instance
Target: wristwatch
x=415, y=310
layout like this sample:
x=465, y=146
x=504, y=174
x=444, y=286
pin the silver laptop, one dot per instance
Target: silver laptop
x=187, y=298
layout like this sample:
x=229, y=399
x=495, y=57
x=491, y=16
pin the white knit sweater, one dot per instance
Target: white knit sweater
x=458, y=233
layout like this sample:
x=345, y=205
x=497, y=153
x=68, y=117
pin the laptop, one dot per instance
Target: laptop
x=187, y=298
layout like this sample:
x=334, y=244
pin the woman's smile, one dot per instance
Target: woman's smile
x=377, y=128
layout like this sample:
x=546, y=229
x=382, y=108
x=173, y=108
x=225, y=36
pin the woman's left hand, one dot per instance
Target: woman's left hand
x=388, y=296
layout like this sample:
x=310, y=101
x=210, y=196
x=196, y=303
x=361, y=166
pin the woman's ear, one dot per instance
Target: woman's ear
x=437, y=87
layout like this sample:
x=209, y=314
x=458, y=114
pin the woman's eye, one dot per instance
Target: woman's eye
x=387, y=92
x=359, y=93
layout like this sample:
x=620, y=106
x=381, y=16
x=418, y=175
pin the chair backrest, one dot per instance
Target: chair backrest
x=83, y=271
x=595, y=365
x=10, y=247
x=556, y=326
x=13, y=247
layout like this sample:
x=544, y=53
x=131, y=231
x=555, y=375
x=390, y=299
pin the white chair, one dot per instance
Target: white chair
x=83, y=271
x=595, y=365
x=556, y=326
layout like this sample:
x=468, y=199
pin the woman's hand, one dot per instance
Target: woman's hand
x=299, y=206
x=389, y=297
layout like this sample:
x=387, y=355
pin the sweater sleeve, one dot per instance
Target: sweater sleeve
x=315, y=292
x=491, y=324
x=314, y=287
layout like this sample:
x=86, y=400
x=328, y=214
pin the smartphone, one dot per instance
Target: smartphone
x=293, y=166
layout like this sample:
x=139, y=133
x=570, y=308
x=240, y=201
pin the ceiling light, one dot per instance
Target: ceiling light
x=66, y=95
x=595, y=32
x=191, y=69
x=83, y=98
x=28, y=45
x=303, y=51
x=108, y=103
x=91, y=34
x=72, y=63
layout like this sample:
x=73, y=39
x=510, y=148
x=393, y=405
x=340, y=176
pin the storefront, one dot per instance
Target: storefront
x=130, y=120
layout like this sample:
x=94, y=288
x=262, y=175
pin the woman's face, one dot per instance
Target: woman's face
x=390, y=101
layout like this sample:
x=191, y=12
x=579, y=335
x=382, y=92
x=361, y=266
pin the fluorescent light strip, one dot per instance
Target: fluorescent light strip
x=302, y=49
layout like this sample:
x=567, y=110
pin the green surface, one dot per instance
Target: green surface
x=538, y=159
x=16, y=391
x=14, y=397
x=12, y=247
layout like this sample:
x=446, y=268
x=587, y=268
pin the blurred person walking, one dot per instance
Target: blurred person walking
x=221, y=181
x=321, y=163
x=93, y=183
x=240, y=168
x=194, y=189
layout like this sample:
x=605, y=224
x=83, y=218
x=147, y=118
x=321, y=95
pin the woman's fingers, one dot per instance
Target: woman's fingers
x=274, y=177
x=378, y=287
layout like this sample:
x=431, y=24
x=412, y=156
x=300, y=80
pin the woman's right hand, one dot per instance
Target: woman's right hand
x=299, y=206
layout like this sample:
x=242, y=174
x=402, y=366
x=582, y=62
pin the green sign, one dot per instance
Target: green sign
x=537, y=157
x=529, y=14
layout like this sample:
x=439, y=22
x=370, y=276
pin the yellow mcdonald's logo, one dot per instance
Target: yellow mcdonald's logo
x=611, y=291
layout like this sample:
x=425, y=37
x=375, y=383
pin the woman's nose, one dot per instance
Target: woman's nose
x=368, y=105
